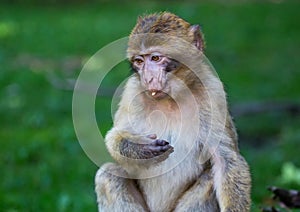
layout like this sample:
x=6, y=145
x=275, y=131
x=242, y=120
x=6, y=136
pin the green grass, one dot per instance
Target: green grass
x=254, y=48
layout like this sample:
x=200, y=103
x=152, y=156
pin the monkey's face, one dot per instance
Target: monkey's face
x=153, y=69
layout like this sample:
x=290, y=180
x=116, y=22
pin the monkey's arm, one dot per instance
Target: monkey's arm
x=125, y=147
x=232, y=180
x=143, y=151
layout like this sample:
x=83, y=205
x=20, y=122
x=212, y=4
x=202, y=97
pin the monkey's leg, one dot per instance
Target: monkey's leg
x=200, y=197
x=115, y=193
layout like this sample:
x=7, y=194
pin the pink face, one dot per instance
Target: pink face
x=152, y=69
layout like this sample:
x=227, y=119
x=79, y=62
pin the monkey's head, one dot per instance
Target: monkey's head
x=152, y=48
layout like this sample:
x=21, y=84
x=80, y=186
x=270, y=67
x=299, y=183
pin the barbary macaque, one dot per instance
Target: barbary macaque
x=173, y=140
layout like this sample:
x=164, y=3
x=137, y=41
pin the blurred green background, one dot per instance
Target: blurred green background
x=253, y=46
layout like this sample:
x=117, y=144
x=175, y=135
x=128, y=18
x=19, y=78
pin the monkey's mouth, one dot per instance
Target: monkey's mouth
x=156, y=94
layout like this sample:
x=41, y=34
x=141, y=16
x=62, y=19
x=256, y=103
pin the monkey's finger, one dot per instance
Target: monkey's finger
x=152, y=136
x=167, y=148
x=154, y=149
x=160, y=142
x=165, y=153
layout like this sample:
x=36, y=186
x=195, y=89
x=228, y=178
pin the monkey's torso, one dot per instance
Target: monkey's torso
x=184, y=181
x=167, y=181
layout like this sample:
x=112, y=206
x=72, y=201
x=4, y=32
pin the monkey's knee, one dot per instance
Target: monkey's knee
x=107, y=186
x=199, y=197
x=108, y=179
x=115, y=192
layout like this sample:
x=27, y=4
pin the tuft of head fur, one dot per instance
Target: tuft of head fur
x=148, y=29
x=164, y=22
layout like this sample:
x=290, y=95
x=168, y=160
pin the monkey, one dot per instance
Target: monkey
x=173, y=139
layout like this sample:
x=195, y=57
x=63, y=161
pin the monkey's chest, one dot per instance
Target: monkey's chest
x=161, y=192
x=167, y=180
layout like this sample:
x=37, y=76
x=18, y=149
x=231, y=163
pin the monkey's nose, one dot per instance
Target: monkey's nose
x=150, y=80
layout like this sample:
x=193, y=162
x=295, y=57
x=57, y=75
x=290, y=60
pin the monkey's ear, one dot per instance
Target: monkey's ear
x=198, y=37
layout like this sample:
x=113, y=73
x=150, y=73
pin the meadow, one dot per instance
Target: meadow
x=254, y=48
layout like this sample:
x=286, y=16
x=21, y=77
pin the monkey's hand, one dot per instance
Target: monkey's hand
x=148, y=147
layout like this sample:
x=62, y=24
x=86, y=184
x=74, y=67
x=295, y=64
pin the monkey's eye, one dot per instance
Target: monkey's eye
x=138, y=61
x=155, y=58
